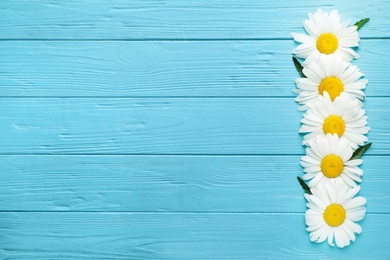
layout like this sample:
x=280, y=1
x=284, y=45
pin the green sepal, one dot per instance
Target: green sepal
x=304, y=185
x=298, y=66
x=360, y=151
x=360, y=23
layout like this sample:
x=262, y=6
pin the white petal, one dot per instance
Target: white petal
x=353, y=226
x=330, y=236
x=354, y=162
x=355, y=203
x=357, y=214
x=341, y=238
x=319, y=235
x=348, y=232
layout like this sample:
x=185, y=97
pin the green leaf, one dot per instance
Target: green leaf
x=304, y=185
x=299, y=67
x=360, y=151
x=362, y=22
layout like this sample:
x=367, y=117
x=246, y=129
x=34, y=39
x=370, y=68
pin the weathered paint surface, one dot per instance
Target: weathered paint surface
x=168, y=130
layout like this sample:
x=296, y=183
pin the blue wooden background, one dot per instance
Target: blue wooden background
x=158, y=129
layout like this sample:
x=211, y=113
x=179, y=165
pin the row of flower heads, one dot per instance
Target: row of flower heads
x=330, y=91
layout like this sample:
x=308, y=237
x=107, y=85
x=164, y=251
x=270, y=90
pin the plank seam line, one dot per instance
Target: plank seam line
x=141, y=154
x=163, y=154
x=171, y=212
x=157, y=97
x=174, y=39
x=142, y=97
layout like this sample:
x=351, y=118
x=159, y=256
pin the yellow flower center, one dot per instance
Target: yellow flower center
x=327, y=43
x=332, y=85
x=334, y=124
x=334, y=215
x=332, y=166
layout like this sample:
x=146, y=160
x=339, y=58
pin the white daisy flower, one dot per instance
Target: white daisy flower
x=333, y=211
x=333, y=75
x=327, y=159
x=327, y=36
x=343, y=117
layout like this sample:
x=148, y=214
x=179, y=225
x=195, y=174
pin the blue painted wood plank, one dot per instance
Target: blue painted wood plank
x=170, y=68
x=211, y=19
x=164, y=126
x=127, y=196
x=178, y=236
x=169, y=183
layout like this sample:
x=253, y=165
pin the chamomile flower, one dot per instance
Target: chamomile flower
x=333, y=213
x=332, y=75
x=327, y=36
x=343, y=117
x=327, y=159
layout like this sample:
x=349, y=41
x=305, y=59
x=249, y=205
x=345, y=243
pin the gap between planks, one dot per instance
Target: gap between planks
x=158, y=97
x=168, y=154
x=170, y=212
x=173, y=39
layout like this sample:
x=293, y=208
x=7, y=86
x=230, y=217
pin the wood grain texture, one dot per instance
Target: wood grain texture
x=166, y=68
x=167, y=129
x=169, y=183
x=177, y=236
x=186, y=19
x=164, y=126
